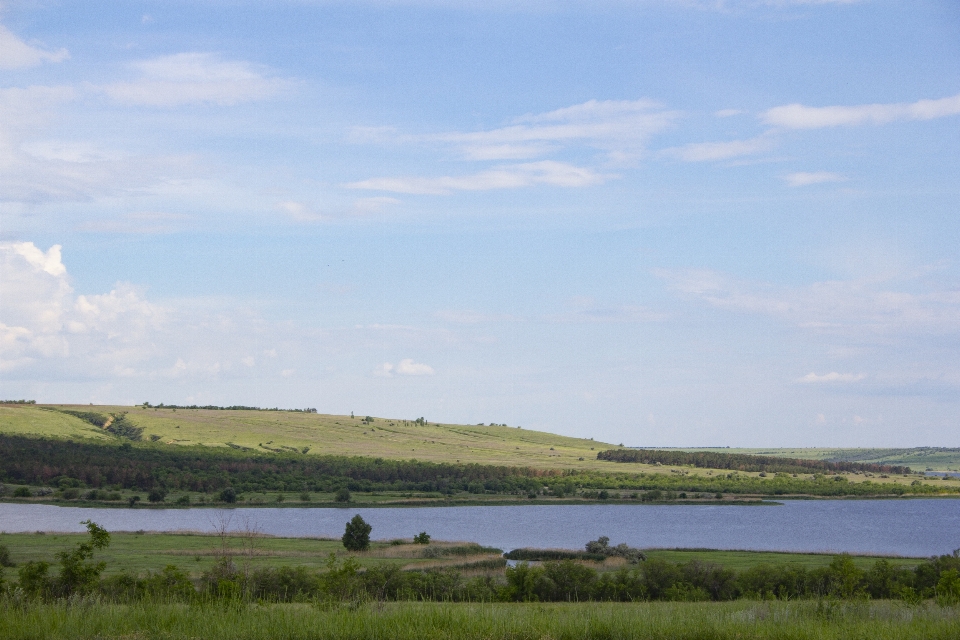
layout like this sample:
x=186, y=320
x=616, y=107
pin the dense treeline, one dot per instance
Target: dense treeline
x=742, y=461
x=102, y=465
x=148, y=466
x=563, y=580
x=236, y=407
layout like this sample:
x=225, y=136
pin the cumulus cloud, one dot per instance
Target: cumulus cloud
x=406, y=367
x=544, y=172
x=42, y=319
x=195, y=78
x=803, y=178
x=798, y=116
x=833, y=376
x=17, y=54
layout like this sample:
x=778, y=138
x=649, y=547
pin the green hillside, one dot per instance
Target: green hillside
x=324, y=434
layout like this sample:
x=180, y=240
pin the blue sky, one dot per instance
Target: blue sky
x=653, y=222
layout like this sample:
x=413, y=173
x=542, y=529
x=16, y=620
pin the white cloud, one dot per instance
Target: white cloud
x=544, y=172
x=618, y=126
x=728, y=113
x=195, y=78
x=833, y=376
x=408, y=367
x=803, y=178
x=713, y=151
x=17, y=54
x=798, y=116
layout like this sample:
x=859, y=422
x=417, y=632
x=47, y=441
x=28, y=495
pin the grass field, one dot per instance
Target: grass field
x=806, y=620
x=196, y=553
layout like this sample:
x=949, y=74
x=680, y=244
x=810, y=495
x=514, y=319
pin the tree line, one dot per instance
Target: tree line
x=743, y=461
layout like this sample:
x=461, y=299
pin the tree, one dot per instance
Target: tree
x=77, y=573
x=422, y=538
x=228, y=495
x=342, y=495
x=356, y=537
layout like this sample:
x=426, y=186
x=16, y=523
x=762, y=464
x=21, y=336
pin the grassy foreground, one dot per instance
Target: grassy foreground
x=821, y=620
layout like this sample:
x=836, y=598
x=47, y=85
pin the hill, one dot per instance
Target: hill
x=319, y=434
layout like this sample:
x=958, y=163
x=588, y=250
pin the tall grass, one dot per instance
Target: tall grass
x=425, y=621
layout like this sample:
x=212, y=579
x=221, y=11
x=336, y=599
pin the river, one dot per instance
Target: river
x=908, y=527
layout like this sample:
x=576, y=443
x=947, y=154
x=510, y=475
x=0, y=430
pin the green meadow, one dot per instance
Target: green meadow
x=195, y=553
x=807, y=620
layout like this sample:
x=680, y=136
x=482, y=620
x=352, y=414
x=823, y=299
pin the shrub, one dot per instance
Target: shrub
x=305, y=497
x=228, y=495
x=22, y=492
x=356, y=537
x=422, y=538
x=133, y=500
x=71, y=494
x=157, y=495
x=342, y=495
x=184, y=499
x=5, y=560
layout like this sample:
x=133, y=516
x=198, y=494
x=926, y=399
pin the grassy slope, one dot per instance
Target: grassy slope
x=195, y=553
x=918, y=459
x=324, y=434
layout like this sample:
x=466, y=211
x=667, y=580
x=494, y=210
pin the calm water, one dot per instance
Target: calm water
x=905, y=527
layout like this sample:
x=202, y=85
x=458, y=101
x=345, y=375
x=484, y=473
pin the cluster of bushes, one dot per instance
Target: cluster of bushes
x=742, y=461
x=118, y=424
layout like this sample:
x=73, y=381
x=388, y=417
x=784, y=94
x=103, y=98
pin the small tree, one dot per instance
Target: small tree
x=77, y=573
x=356, y=537
x=228, y=495
x=422, y=538
x=342, y=495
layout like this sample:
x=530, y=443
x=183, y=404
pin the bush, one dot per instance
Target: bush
x=342, y=495
x=157, y=495
x=5, y=560
x=356, y=537
x=184, y=499
x=422, y=538
x=305, y=497
x=22, y=492
x=71, y=494
x=228, y=495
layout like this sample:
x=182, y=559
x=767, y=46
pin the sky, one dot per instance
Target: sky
x=651, y=222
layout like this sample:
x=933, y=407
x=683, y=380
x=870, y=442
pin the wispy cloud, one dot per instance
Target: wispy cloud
x=833, y=376
x=714, y=151
x=17, y=54
x=513, y=176
x=857, y=307
x=798, y=116
x=195, y=78
x=804, y=178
